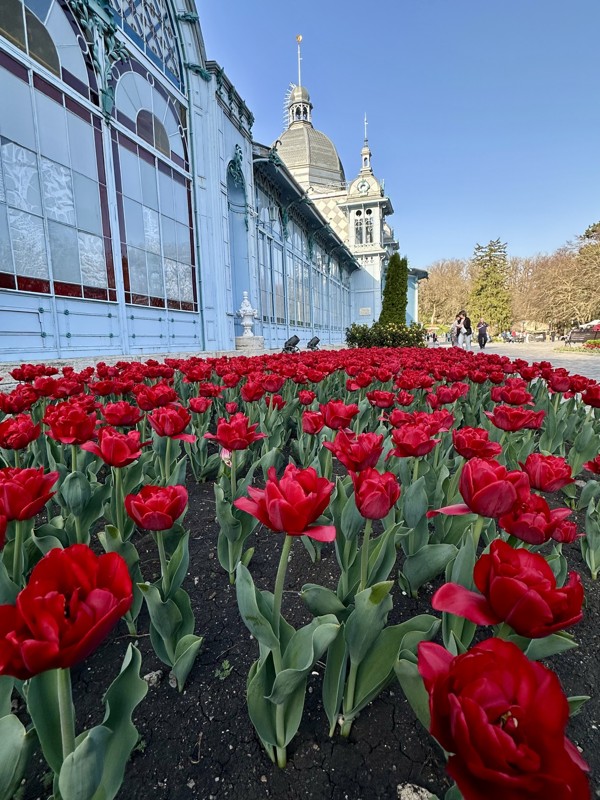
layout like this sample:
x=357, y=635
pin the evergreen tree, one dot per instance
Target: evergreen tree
x=490, y=295
x=395, y=293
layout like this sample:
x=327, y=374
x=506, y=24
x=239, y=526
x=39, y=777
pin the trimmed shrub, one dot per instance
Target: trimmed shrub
x=390, y=335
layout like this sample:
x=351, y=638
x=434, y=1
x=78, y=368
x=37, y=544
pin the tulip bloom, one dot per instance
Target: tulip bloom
x=593, y=465
x=70, y=422
x=313, y=422
x=508, y=418
x=121, y=414
x=503, y=718
x=151, y=397
x=380, y=399
x=157, y=508
x=475, y=443
x=338, y=415
x=488, y=489
x=356, y=452
x=235, y=433
x=115, y=448
x=412, y=441
x=305, y=396
x=24, y=492
x=17, y=432
x=532, y=521
x=291, y=504
x=547, y=473
x=250, y=392
x=171, y=421
x=513, y=393
x=200, y=405
x=72, y=601
x=591, y=396
x=375, y=493
x=516, y=587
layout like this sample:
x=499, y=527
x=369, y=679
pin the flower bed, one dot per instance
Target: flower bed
x=388, y=525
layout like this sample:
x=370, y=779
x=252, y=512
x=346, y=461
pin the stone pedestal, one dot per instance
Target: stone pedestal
x=250, y=344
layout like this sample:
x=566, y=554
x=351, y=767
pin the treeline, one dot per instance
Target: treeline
x=556, y=290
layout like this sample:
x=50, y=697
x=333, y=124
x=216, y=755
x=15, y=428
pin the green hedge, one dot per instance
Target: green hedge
x=390, y=335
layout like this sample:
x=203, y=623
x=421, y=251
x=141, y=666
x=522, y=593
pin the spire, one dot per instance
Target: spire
x=365, y=154
x=299, y=105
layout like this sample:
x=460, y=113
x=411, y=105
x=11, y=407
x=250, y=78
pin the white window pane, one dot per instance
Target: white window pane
x=93, y=262
x=181, y=202
x=138, y=278
x=186, y=291
x=81, y=145
x=64, y=252
x=171, y=280
x=155, y=275
x=28, y=244
x=149, y=190
x=21, y=180
x=67, y=46
x=183, y=244
x=130, y=174
x=169, y=237
x=52, y=129
x=57, y=186
x=87, y=202
x=16, y=94
x=134, y=223
x=151, y=231
x=165, y=194
x=5, y=251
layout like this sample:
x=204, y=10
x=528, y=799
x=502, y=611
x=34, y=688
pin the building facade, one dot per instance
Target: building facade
x=134, y=207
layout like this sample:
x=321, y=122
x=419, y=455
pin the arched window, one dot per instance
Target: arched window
x=368, y=226
x=54, y=227
x=153, y=193
x=358, y=228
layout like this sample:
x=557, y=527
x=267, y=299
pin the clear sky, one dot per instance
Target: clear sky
x=484, y=115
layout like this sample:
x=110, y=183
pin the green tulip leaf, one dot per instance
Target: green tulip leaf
x=335, y=678
x=304, y=649
x=76, y=492
x=42, y=704
x=415, y=503
x=178, y=564
x=263, y=712
x=256, y=621
x=550, y=645
x=366, y=622
x=16, y=745
x=80, y=776
x=576, y=703
x=320, y=600
x=426, y=564
x=186, y=651
x=413, y=687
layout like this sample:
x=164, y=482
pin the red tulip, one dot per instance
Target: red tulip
x=517, y=587
x=70, y=422
x=151, y=397
x=312, y=422
x=508, y=418
x=338, y=415
x=375, y=493
x=115, y=448
x=235, y=433
x=591, y=396
x=157, y=508
x=275, y=401
x=24, y=492
x=488, y=489
x=209, y=390
x=502, y=718
x=514, y=393
x=291, y=504
x=532, y=521
x=250, y=392
x=379, y=399
x=17, y=432
x=475, y=443
x=593, y=465
x=547, y=473
x=73, y=600
x=272, y=382
x=403, y=398
x=306, y=397
x=412, y=441
x=356, y=452
x=200, y=405
x=171, y=421
x=121, y=414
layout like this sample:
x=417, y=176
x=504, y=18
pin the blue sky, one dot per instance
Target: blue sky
x=484, y=115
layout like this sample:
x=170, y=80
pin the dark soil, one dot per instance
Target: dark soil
x=201, y=744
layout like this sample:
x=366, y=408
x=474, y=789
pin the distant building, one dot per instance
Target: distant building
x=134, y=206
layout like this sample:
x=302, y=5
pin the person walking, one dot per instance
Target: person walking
x=455, y=331
x=482, y=336
x=465, y=331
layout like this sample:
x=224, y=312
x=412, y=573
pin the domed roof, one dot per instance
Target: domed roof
x=299, y=94
x=310, y=156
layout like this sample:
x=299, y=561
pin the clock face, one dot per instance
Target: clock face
x=363, y=187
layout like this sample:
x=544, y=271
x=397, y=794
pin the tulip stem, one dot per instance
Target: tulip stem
x=163, y=563
x=17, y=459
x=233, y=476
x=66, y=712
x=477, y=528
x=167, y=467
x=279, y=581
x=120, y=502
x=350, y=689
x=364, y=555
x=415, y=475
x=17, y=575
x=73, y=458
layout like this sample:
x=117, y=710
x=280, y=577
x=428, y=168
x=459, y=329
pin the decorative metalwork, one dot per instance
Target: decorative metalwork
x=106, y=49
x=234, y=168
x=187, y=16
x=198, y=69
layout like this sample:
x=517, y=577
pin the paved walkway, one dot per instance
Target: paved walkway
x=575, y=362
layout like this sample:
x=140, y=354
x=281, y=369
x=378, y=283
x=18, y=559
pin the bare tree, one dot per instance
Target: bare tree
x=445, y=292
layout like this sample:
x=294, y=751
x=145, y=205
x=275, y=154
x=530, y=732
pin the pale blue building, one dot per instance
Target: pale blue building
x=134, y=206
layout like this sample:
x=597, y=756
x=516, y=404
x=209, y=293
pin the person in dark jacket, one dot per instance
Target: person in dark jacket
x=482, y=336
